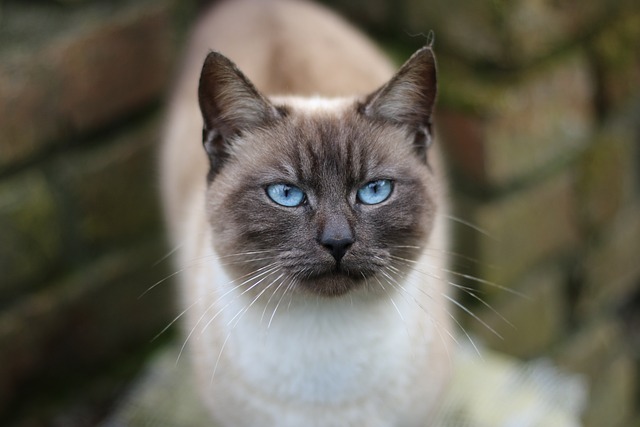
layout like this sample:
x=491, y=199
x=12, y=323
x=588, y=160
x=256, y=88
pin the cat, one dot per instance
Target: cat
x=306, y=201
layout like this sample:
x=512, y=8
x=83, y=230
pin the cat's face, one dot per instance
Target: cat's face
x=323, y=196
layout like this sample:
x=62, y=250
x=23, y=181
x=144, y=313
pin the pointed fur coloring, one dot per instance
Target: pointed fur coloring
x=281, y=330
x=230, y=103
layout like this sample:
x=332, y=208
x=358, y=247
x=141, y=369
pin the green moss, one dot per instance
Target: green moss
x=30, y=230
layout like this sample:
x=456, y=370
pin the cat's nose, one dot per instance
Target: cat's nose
x=336, y=236
x=337, y=247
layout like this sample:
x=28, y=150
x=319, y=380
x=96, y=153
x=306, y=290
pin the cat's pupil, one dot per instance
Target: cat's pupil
x=285, y=195
x=375, y=192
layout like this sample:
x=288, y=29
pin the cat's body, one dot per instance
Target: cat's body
x=329, y=312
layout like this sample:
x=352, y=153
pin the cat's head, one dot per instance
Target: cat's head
x=321, y=195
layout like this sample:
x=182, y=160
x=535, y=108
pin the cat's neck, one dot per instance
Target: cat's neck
x=308, y=336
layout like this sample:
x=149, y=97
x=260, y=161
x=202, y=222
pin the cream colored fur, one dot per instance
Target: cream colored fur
x=356, y=360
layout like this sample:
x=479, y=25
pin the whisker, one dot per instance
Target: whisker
x=204, y=328
x=241, y=314
x=175, y=319
x=404, y=247
x=493, y=310
x=240, y=254
x=250, y=260
x=409, y=264
x=168, y=254
x=486, y=282
x=438, y=325
x=250, y=253
x=470, y=225
x=464, y=331
x=159, y=282
x=195, y=263
x=392, y=302
x=469, y=291
x=246, y=309
x=463, y=275
x=217, y=257
x=215, y=367
x=254, y=276
x=472, y=260
x=192, y=305
x=288, y=288
x=448, y=313
x=275, y=291
x=469, y=312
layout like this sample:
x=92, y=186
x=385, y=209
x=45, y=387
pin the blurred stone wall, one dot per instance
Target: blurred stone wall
x=81, y=85
x=539, y=111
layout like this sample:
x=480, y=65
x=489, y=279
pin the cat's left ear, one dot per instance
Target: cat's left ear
x=408, y=98
x=230, y=104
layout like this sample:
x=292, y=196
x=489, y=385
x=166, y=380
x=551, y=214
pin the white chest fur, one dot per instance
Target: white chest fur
x=298, y=360
x=322, y=351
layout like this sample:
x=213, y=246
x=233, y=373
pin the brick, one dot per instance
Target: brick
x=512, y=33
x=30, y=226
x=610, y=267
x=520, y=230
x=598, y=351
x=504, y=133
x=110, y=189
x=82, y=70
x=597, y=342
x=605, y=176
x=612, y=399
x=536, y=316
x=78, y=324
x=617, y=62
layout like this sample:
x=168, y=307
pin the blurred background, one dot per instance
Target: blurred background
x=539, y=110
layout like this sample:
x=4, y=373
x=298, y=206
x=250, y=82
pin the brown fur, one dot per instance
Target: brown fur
x=260, y=131
x=330, y=158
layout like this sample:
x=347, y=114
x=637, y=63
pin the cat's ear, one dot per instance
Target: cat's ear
x=230, y=104
x=408, y=98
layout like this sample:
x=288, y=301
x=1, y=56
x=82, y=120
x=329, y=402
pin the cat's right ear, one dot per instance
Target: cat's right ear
x=408, y=98
x=230, y=104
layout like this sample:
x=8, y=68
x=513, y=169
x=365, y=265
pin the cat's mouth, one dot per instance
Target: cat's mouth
x=335, y=281
x=327, y=277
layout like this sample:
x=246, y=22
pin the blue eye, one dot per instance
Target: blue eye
x=375, y=192
x=285, y=195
